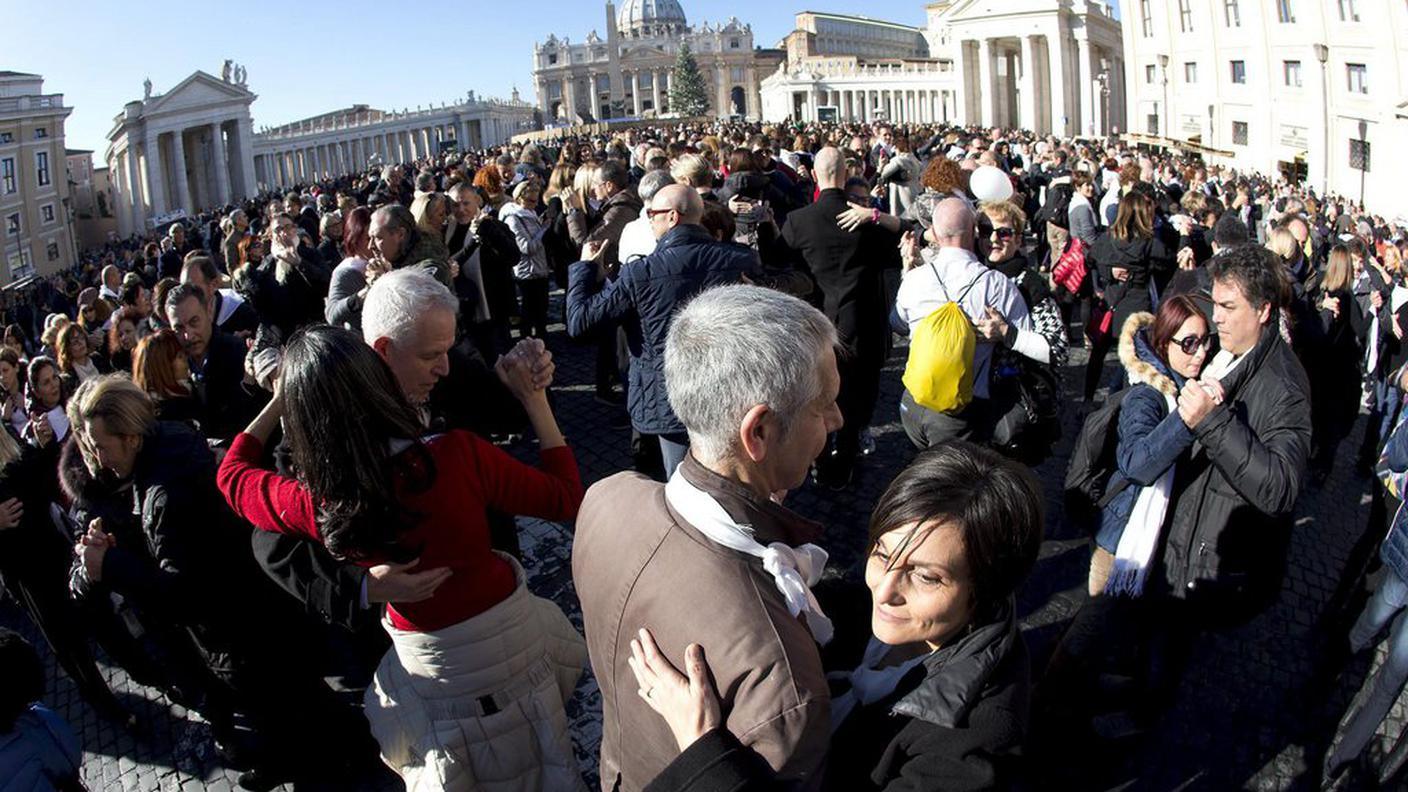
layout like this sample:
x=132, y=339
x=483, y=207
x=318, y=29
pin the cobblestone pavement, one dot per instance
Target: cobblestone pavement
x=1242, y=720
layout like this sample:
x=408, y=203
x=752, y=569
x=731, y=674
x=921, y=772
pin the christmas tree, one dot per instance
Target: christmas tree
x=688, y=96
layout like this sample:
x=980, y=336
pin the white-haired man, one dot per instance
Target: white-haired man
x=751, y=373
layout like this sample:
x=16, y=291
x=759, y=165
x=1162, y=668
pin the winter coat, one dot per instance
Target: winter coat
x=1394, y=550
x=619, y=209
x=528, y=232
x=286, y=306
x=956, y=721
x=1151, y=437
x=192, y=564
x=686, y=261
x=901, y=177
x=1148, y=261
x=660, y=573
x=481, y=704
x=1337, y=386
x=1232, y=502
x=755, y=186
x=40, y=753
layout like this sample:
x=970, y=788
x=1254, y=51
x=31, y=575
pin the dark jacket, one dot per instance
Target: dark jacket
x=957, y=721
x=287, y=306
x=1394, y=550
x=227, y=404
x=848, y=267
x=686, y=261
x=618, y=210
x=1151, y=437
x=1232, y=502
x=1148, y=261
x=755, y=186
x=194, y=566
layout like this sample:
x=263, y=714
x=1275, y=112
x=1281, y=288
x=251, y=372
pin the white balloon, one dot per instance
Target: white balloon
x=989, y=183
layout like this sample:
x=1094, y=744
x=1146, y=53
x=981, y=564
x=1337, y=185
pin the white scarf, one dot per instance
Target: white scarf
x=794, y=569
x=870, y=681
x=1141, y=534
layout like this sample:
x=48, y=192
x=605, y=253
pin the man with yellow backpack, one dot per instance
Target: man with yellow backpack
x=945, y=294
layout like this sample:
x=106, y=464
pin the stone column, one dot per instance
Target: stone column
x=136, y=210
x=987, y=82
x=635, y=94
x=156, y=175
x=1028, y=87
x=721, y=79
x=655, y=91
x=1060, y=108
x=1087, y=101
x=222, y=165
x=178, y=163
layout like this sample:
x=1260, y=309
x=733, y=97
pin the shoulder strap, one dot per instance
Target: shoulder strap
x=940, y=281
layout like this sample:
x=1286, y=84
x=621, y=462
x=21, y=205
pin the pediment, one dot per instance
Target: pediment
x=643, y=52
x=198, y=90
x=983, y=10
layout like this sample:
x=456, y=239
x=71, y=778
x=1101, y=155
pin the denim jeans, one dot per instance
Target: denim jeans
x=1385, y=607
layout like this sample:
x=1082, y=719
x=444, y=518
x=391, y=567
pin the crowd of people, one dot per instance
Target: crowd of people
x=281, y=443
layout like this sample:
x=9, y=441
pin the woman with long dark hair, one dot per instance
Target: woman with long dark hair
x=122, y=338
x=373, y=487
x=1133, y=261
x=348, y=286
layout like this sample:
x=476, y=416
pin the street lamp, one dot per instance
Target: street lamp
x=1163, y=68
x=1104, y=79
x=1322, y=54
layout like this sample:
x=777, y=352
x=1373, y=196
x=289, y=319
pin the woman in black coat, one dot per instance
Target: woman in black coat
x=938, y=695
x=34, y=560
x=1128, y=260
x=1334, y=403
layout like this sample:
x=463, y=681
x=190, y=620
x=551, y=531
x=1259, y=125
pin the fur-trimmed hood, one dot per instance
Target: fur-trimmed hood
x=1139, y=360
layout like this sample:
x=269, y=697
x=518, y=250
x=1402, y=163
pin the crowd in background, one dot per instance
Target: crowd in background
x=266, y=446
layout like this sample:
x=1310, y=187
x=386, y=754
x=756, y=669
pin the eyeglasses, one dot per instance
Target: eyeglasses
x=1003, y=233
x=1191, y=344
x=654, y=213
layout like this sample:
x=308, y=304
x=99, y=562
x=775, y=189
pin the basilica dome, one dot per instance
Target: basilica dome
x=649, y=17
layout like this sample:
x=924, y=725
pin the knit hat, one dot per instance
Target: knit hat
x=520, y=187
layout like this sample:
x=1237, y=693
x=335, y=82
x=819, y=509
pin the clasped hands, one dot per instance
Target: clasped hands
x=1197, y=399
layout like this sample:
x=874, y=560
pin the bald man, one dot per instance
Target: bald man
x=948, y=271
x=645, y=295
x=848, y=267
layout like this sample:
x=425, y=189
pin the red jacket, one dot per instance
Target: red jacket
x=470, y=475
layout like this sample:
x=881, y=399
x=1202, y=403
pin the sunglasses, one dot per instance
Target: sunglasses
x=653, y=213
x=1003, y=234
x=1192, y=343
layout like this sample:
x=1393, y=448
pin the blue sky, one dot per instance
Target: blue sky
x=305, y=57
x=310, y=56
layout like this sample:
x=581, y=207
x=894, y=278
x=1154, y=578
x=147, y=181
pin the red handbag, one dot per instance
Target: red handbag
x=1069, y=272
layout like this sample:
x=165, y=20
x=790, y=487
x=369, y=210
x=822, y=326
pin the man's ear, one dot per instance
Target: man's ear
x=755, y=433
x=1265, y=314
x=383, y=347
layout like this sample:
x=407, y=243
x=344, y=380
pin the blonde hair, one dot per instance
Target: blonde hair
x=1339, y=273
x=420, y=210
x=586, y=176
x=693, y=170
x=124, y=408
x=560, y=179
x=1006, y=212
x=9, y=450
x=1283, y=243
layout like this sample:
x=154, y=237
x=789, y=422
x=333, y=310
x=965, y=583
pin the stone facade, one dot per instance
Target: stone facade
x=1047, y=65
x=1248, y=78
x=35, y=208
x=346, y=141
x=627, y=74
x=183, y=151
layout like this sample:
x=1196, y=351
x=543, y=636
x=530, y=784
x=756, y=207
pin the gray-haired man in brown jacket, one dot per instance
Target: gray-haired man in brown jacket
x=752, y=375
